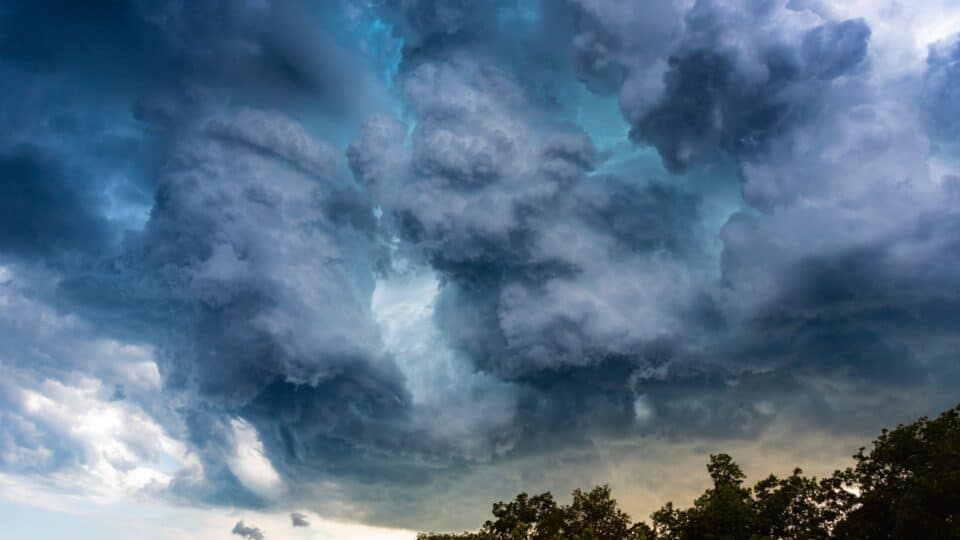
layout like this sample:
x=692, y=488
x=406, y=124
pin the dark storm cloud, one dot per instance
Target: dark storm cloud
x=49, y=35
x=536, y=255
x=834, y=49
x=610, y=38
x=539, y=257
x=298, y=519
x=736, y=98
x=735, y=79
x=427, y=23
x=233, y=186
x=270, y=303
x=852, y=322
x=165, y=61
x=179, y=194
x=941, y=85
x=47, y=208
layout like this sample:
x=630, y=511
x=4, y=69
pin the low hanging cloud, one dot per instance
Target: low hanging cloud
x=249, y=533
x=299, y=519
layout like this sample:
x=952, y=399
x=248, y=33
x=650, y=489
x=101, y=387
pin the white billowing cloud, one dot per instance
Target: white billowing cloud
x=902, y=31
x=643, y=410
x=107, y=449
x=460, y=406
x=249, y=463
x=36, y=335
x=77, y=406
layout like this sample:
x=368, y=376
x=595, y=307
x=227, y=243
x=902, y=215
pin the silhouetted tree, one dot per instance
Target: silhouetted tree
x=723, y=512
x=906, y=487
x=533, y=518
x=596, y=516
x=790, y=508
x=592, y=515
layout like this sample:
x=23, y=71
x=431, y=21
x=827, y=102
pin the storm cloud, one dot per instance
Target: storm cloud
x=350, y=256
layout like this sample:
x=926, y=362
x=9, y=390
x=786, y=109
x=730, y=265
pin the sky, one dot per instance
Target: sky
x=356, y=268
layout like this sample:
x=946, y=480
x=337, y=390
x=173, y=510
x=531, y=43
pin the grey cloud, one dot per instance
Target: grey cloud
x=613, y=39
x=286, y=141
x=530, y=250
x=567, y=155
x=736, y=98
x=521, y=306
x=207, y=280
x=230, y=266
x=166, y=64
x=940, y=83
x=250, y=533
x=264, y=51
x=30, y=40
x=262, y=298
x=425, y=22
x=551, y=277
x=519, y=36
x=211, y=438
x=835, y=48
x=369, y=166
x=47, y=207
x=575, y=307
x=299, y=520
x=819, y=286
x=445, y=96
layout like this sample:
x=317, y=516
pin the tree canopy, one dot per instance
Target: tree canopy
x=907, y=486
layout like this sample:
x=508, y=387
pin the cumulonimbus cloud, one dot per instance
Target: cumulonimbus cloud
x=227, y=193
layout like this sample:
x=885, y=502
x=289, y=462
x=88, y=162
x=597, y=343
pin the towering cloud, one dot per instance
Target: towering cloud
x=355, y=255
x=740, y=76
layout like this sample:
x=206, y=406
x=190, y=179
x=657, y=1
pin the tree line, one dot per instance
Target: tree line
x=907, y=486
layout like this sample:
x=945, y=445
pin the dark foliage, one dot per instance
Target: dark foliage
x=909, y=484
x=906, y=487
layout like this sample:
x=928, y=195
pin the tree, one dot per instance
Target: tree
x=536, y=518
x=723, y=512
x=596, y=516
x=790, y=508
x=907, y=486
x=592, y=515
